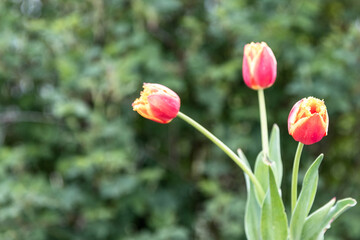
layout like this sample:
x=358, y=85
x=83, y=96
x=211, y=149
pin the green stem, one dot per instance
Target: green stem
x=263, y=123
x=227, y=150
x=295, y=172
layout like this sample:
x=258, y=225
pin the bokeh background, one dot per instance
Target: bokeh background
x=77, y=163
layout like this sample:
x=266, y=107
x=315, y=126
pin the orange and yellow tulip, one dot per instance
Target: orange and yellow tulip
x=259, y=66
x=157, y=103
x=308, y=120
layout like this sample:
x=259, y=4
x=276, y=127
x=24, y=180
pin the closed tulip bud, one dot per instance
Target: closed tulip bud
x=308, y=120
x=157, y=103
x=259, y=66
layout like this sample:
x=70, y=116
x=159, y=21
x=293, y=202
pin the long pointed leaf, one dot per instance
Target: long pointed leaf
x=262, y=174
x=305, y=200
x=273, y=217
x=252, y=209
x=312, y=227
x=243, y=158
x=340, y=207
x=313, y=194
x=252, y=216
x=275, y=154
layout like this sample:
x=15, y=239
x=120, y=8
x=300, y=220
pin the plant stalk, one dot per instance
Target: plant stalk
x=294, y=180
x=263, y=124
x=226, y=149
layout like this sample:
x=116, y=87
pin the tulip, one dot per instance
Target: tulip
x=308, y=120
x=259, y=66
x=157, y=103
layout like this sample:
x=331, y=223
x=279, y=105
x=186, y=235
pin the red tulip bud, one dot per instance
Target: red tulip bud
x=259, y=66
x=157, y=103
x=308, y=120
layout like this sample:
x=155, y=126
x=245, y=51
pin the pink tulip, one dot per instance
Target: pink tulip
x=259, y=66
x=308, y=120
x=157, y=103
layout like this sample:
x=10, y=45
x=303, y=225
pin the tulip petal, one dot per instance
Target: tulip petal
x=293, y=113
x=265, y=68
x=163, y=107
x=309, y=130
x=246, y=72
x=145, y=111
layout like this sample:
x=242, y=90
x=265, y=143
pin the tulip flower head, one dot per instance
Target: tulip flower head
x=259, y=66
x=157, y=103
x=308, y=120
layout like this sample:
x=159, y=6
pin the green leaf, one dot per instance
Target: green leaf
x=340, y=207
x=262, y=174
x=312, y=226
x=275, y=154
x=243, y=159
x=252, y=215
x=252, y=209
x=312, y=195
x=305, y=200
x=273, y=217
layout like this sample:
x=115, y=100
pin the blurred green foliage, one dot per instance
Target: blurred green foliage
x=77, y=163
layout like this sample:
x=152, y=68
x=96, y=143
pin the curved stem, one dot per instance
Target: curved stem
x=295, y=172
x=263, y=123
x=227, y=150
